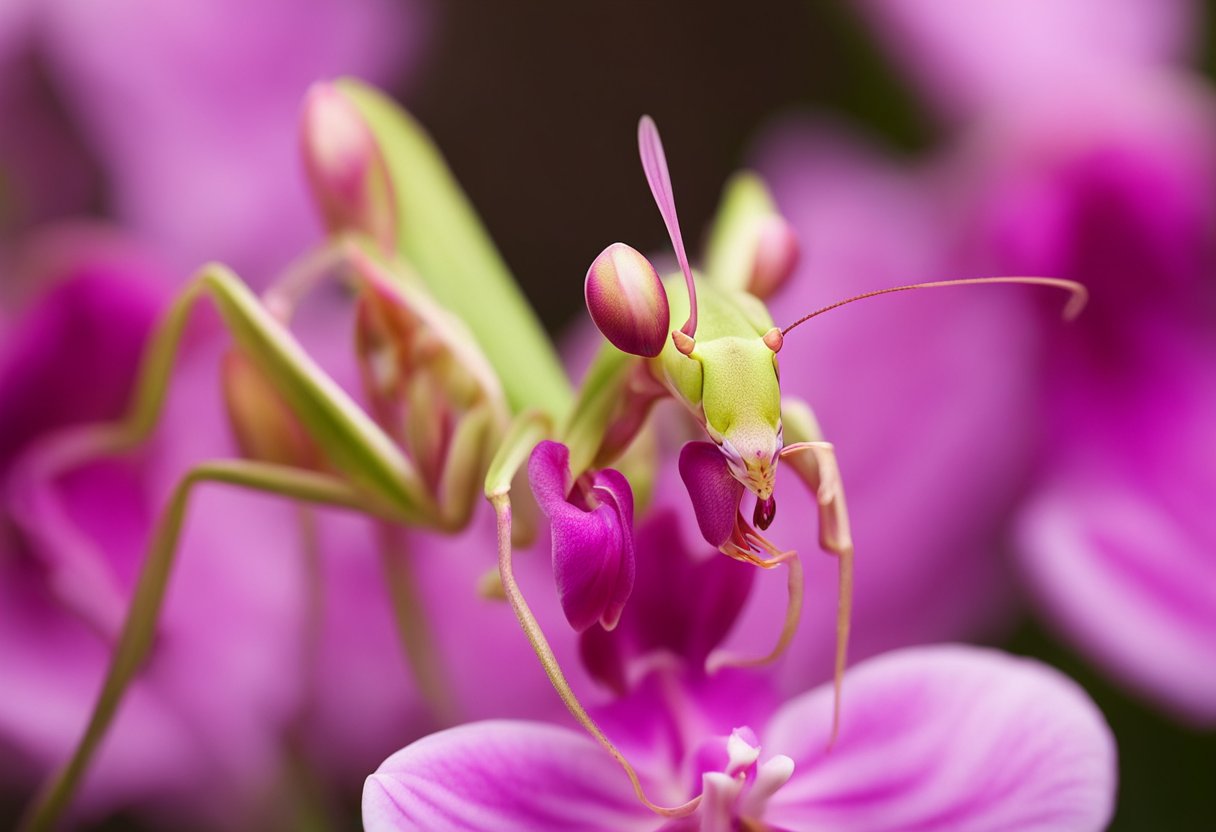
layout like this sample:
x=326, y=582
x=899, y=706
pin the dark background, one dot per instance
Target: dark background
x=536, y=107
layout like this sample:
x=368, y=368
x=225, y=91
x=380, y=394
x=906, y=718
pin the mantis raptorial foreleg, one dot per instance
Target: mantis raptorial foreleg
x=814, y=460
x=363, y=471
x=353, y=446
x=335, y=423
x=137, y=633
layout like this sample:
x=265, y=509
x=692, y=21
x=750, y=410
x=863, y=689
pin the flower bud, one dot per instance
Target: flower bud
x=265, y=428
x=627, y=301
x=349, y=176
x=775, y=258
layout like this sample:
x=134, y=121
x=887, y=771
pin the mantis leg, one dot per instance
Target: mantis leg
x=138, y=630
x=529, y=429
x=793, y=611
x=351, y=442
x=814, y=460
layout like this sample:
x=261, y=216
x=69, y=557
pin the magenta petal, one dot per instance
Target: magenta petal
x=612, y=487
x=715, y=493
x=549, y=475
x=72, y=356
x=502, y=776
x=688, y=624
x=966, y=55
x=593, y=560
x=196, y=78
x=1118, y=543
x=941, y=738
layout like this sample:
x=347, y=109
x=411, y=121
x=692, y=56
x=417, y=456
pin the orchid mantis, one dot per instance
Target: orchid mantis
x=438, y=319
x=722, y=366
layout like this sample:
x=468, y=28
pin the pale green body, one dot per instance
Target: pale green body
x=730, y=380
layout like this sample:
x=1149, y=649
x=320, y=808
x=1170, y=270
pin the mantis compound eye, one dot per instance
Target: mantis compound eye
x=773, y=339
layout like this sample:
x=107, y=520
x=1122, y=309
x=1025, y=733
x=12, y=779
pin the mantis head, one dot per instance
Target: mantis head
x=722, y=362
x=741, y=402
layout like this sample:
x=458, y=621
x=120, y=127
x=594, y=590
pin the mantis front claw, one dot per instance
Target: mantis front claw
x=359, y=467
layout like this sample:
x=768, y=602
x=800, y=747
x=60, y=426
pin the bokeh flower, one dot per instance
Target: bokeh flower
x=186, y=113
x=1098, y=163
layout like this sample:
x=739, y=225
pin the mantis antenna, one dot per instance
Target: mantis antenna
x=1080, y=295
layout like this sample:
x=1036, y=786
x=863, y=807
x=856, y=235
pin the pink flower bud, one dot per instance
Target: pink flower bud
x=265, y=428
x=776, y=256
x=349, y=176
x=627, y=301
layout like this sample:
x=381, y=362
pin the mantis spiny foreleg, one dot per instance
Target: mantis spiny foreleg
x=365, y=472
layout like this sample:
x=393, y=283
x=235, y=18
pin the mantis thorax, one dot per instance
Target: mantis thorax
x=729, y=380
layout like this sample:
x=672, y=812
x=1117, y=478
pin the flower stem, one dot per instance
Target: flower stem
x=536, y=637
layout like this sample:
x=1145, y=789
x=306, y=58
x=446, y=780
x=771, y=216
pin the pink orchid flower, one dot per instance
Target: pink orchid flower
x=935, y=737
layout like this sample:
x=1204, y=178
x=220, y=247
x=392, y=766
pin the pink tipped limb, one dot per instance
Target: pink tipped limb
x=1080, y=295
x=540, y=644
x=654, y=163
x=793, y=612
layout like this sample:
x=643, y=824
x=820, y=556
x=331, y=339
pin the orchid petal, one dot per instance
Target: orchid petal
x=715, y=493
x=502, y=776
x=612, y=487
x=593, y=559
x=689, y=623
x=1124, y=523
x=72, y=356
x=966, y=55
x=946, y=737
x=832, y=186
x=209, y=88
